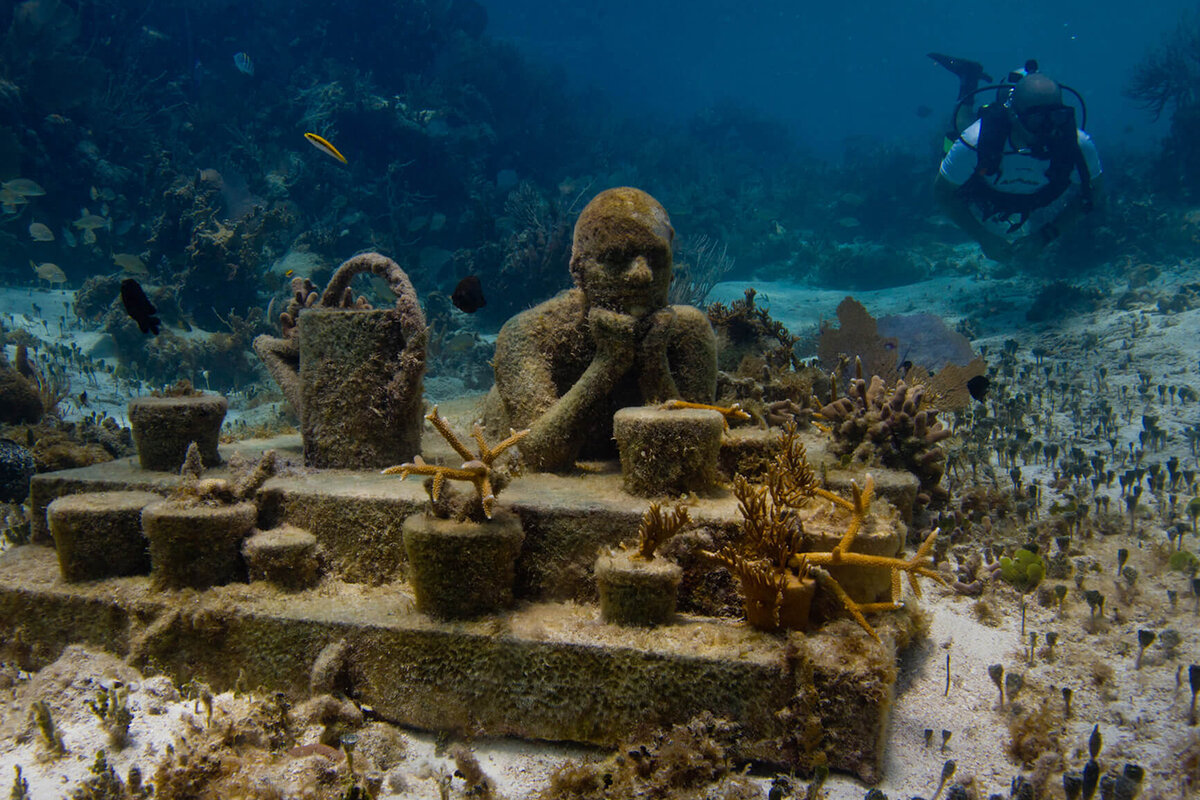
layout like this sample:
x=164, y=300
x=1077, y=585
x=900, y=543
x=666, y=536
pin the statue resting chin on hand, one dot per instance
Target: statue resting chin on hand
x=565, y=366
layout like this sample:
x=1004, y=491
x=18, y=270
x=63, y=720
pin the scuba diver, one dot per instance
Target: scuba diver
x=1018, y=170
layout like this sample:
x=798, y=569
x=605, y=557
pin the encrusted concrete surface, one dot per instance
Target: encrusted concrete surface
x=549, y=671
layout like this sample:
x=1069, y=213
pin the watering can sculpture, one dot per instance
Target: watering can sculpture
x=352, y=372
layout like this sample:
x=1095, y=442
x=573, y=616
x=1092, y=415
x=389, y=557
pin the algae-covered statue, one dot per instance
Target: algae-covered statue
x=353, y=373
x=565, y=366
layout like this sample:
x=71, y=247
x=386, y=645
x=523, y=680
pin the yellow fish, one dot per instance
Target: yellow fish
x=325, y=146
x=51, y=273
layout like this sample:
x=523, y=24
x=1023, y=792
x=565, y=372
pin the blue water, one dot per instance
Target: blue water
x=835, y=71
x=167, y=142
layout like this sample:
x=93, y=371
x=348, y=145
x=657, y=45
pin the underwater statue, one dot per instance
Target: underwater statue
x=353, y=373
x=565, y=366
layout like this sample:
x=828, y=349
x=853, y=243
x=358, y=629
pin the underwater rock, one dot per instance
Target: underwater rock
x=17, y=466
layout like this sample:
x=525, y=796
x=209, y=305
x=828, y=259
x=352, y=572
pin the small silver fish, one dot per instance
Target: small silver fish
x=243, y=62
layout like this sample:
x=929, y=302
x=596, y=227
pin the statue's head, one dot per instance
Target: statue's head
x=621, y=256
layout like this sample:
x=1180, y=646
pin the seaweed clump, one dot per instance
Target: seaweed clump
x=747, y=330
x=757, y=363
x=1168, y=78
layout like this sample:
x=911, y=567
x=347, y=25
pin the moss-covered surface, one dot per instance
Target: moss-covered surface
x=163, y=427
x=668, y=452
x=635, y=591
x=196, y=545
x=99, y=534
x=546, y=671
x=354, y=412
x=461, y=570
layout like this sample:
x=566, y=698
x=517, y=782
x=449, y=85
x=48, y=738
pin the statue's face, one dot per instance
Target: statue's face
x=628, y=274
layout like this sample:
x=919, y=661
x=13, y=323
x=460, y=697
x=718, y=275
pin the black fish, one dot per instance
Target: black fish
x=978, y=387
x=139, y=307
x=468, y=295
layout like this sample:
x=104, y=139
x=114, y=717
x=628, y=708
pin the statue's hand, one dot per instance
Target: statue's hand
x=654, y=334
x=615, y=337
x=654, y=369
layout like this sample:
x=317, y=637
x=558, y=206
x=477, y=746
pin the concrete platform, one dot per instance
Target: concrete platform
x=550, y=669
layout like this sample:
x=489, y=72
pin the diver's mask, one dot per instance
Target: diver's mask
x=1045, y=122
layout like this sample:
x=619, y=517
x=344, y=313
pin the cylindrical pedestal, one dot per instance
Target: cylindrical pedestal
x=195, y=545
x=354, y=414
x=286, y=556
x=636, y=592
x=99, y=534
x=668, y=452
x=460, y=570
x=163, y=427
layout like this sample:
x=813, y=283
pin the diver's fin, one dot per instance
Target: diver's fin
x=965, y=69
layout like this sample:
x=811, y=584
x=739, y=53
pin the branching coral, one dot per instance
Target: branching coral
x=769, y=555
x=657, y=526
x=745, y=328
x=193, y=488
x=733, y=412
x=477, y=469
x=873, y=424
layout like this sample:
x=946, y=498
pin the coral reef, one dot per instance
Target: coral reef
x=874, y=425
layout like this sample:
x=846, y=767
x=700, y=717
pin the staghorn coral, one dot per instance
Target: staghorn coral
x=873, y=424
x=732, y=412
x=770, y=556
x=477, y=470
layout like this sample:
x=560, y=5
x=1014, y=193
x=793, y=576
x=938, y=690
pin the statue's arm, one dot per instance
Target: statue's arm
x=557, y=424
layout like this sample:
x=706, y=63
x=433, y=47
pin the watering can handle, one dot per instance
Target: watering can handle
x=411, y=316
